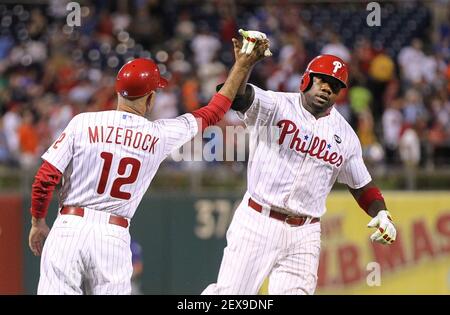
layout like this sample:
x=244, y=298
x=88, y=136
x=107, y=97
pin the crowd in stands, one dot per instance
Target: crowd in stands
x=397, y=101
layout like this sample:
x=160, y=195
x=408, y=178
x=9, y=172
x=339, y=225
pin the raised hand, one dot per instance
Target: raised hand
x=249, y=40
x=256, y=54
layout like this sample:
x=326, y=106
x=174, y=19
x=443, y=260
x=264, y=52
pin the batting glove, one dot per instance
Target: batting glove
x=386, y=232
x=250, y=38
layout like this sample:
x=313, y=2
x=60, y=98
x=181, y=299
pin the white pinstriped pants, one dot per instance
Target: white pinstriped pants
x=259, y=246
x=86, y=255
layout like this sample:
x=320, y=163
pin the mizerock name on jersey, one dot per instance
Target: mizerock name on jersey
x=123, y=136
x=318, y=149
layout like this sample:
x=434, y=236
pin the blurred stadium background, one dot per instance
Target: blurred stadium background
x=398, y=103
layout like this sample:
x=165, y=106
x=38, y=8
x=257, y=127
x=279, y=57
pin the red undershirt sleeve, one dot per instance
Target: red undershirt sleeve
x=42, y=189
x=214, y=111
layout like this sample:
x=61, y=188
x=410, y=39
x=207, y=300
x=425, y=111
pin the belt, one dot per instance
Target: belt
x=287, y=218
x=113, y=219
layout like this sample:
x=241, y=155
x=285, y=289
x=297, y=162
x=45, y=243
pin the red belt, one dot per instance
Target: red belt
x=287, y=218
x=113, y=219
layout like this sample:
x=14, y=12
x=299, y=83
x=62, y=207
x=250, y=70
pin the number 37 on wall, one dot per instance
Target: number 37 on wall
x=213, y=217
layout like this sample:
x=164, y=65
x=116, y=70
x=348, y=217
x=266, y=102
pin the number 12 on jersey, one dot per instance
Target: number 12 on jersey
x=119, y=181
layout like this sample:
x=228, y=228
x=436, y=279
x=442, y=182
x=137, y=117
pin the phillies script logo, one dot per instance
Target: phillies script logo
x=318, y=148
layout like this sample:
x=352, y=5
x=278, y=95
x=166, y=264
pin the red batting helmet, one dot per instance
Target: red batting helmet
x=139, y=77
x=325, y=64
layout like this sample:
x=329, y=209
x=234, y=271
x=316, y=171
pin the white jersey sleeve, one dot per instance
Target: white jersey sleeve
x=262, y=108
x=60, y=153
x=354, y=172
x=177, y=131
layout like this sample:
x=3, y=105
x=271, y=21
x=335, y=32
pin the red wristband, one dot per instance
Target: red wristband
x=368, y=196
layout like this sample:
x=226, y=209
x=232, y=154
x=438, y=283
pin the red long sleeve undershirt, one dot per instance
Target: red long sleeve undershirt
x=214, y=111
x=42, y=189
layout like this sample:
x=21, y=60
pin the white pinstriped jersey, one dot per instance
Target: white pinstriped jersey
x=108, y=159
x=298, y=175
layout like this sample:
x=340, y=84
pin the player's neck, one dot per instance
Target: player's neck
x=130, y=109
x=137, y=107
x=310, y=109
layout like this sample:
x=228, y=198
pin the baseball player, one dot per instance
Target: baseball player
x=275, y=231
x=107, y=161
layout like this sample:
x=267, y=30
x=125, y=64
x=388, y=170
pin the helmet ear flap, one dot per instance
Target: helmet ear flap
x=306, y=80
